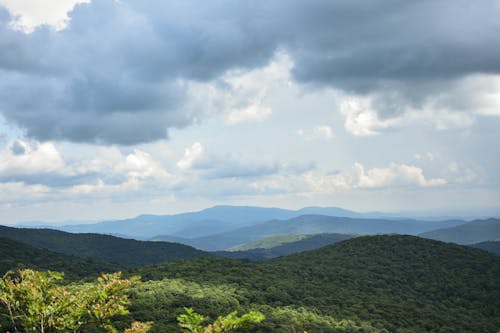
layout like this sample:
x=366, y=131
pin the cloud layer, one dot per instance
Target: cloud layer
x=124, y=71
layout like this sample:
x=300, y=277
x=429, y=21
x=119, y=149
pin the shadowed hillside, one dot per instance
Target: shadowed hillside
x=126, y=252
x=15, y=255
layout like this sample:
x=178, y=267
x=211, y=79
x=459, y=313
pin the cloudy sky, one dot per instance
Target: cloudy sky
x=112, y=108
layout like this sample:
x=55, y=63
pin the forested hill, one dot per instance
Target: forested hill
x=126, y=252
x=284, y=245
x=401, y=283
x=15, y=255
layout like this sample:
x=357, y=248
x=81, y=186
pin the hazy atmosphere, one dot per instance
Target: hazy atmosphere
x=110, y=109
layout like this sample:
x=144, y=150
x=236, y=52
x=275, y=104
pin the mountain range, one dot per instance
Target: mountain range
x=206, y=222
x=309, y=224
x=222, y=227
x=314, y=272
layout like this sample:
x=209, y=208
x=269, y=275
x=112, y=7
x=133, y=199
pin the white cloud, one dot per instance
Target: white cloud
x=254, y=86
x=139, y=165
x=242, y=95
x=25, y=158
x=38, y=171
x=29, y=14
x=358, y=177
x=191, y=155
x=362, y=116
x=393, y=175
x=20, y=192
x=102, y=189
x=457, y=106
x=251, y=113
x=319, y=132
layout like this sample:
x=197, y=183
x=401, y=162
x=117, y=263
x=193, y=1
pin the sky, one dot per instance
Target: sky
x=114, y=108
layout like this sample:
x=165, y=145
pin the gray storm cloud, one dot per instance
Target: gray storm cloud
x=118, y=72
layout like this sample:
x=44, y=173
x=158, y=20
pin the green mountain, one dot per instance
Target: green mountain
x=396, y=283
x=312, y=224
x=125, y=252
x=493, y=247
x=15, y=255
x=279, y=246
x=468, y=233
x=269, y=242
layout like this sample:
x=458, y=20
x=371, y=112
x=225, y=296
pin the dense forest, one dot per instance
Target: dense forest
x=388, y=283
x=397, y=283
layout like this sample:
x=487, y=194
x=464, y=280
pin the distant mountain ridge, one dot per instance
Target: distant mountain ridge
x=490, y=246
x=212, y=221
x=468, y=233
x=312, y=224
x=202, y=223
x=125, y=252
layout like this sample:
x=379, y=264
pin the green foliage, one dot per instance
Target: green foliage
x=192, y=322
x=289, y=319
x=392, y=282
x=159, y=301
x=37, y=302
x=269, y=242
x=162, y=301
